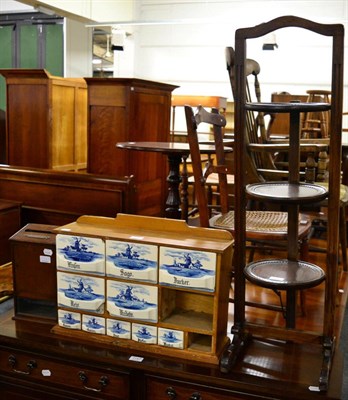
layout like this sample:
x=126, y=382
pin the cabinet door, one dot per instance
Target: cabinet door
x=167, y=389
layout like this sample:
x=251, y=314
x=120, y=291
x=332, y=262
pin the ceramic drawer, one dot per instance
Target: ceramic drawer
x=80, y=254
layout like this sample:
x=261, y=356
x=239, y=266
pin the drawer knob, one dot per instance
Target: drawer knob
x=195, y=396
x=31, y=364
x=103, y=381
x=171, y=393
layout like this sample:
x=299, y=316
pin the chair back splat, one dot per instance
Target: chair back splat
x=218, y=121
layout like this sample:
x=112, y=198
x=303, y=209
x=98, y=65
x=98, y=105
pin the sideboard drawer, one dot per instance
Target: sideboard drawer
x=104, y=383
x=167, y=389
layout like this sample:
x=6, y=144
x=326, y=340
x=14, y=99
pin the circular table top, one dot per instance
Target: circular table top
x=288, y=107
x=167, y=147
x=283, y=274
x=287, y=192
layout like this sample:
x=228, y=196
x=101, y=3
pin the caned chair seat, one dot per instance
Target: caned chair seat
x=269, y=223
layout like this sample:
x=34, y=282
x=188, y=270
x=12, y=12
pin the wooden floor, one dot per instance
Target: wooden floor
x=312, y=321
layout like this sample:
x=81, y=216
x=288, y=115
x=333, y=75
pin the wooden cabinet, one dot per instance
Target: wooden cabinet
x=121, y=110
x=38, y=364
x=46, y=120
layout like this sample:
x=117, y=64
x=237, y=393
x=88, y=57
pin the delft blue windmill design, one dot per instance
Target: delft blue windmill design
x=187, y=264
x=131, y=300
x=126, y=299
x=68, y=319
x=131, y=260
x=79, y=249
x=82, y=291
x=118, y=328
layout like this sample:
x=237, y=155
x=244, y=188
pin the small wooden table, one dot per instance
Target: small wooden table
x=176, y=153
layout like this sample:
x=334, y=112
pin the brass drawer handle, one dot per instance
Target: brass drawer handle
x=103, y=381
x=171, y=393
x=30, y=365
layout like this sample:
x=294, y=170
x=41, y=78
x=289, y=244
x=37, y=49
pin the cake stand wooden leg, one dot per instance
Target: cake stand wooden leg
x=232, y=353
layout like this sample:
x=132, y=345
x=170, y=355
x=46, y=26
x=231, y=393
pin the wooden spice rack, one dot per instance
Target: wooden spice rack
x=200, y=315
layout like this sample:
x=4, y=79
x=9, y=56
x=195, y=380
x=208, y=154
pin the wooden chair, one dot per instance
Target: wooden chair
x=262, y=164
x=317, y=125
x=263, y=228
x=211, y=186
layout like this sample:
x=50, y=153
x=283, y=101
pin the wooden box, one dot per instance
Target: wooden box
x=46, y=120
x=34, y=272
x=10, y=223
x=179, y=311
x=123, y=110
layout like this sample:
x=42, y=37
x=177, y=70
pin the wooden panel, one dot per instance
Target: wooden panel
x=65, y=193
x=107, y=126
x=27, y=125
x=10, y=222
x=80, y=129
x=63, y=127
x=103, y=95
x=152, y=124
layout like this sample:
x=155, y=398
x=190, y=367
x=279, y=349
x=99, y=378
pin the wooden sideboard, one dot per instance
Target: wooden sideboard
x=38, y=364
x=123, y=110
x=46, y=120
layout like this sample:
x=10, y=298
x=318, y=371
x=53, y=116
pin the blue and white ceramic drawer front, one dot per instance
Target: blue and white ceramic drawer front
x=118, y=329
x=171, y=338
x=93, y=324
x=80, y=254
x=69, y=319
x=135, y=261
x=81, y=292
x=130, y=300
x=144, y=333
x=187, y=268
